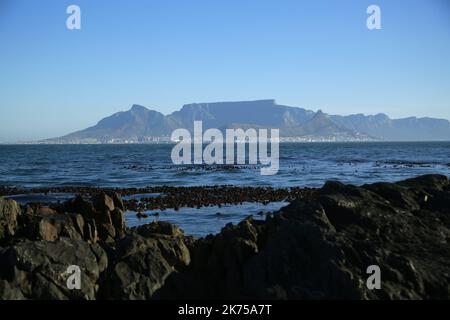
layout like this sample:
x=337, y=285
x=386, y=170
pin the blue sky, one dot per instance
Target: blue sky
x=165, y=53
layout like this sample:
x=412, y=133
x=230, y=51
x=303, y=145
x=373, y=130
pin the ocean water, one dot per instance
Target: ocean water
x=307, y=164
x=304, y=165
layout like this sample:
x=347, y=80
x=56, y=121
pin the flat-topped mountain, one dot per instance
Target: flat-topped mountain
x=140, y=124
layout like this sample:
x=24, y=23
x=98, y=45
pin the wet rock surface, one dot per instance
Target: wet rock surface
x=318, y=247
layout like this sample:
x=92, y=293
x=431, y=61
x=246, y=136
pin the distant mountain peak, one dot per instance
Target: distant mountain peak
x=138, y=108
x=320, y=113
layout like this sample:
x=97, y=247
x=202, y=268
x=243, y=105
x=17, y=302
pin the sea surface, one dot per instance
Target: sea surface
x=301, y=164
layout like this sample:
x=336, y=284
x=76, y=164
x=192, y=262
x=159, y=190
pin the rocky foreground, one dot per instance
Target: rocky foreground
x=318, y=247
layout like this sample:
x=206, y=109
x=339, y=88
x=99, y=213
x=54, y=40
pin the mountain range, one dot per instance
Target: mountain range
x=140, y=125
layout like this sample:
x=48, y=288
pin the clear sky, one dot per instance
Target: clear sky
x=165, y=53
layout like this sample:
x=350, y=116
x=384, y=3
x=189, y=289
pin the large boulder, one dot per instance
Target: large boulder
x=170, y=240
x=144, y=259
x=138, y=270
x=39, y=269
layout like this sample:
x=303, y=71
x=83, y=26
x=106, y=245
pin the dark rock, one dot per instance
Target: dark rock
x=170, y=241
x=78, y=222
x=103, y=202
x=159, y=228
x=117, y=200
x=38, y=269
x=139, y=269
x=10, y=293
x=143, y=259
x=90, y=231
x=47, y=231
x=347, y=205
x=438, y=201
x=79, y=205
x=45, y=211
x=50, y=225
x=397, y=195
x=141, y=215
x=106, y=232
x=9, y=212
x=118, y=219
x=430, y=182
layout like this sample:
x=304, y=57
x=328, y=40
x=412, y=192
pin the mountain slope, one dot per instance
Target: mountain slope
x=407, y=129
x=135, y=124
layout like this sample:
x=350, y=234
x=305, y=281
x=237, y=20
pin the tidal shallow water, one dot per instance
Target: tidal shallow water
x=206, y=220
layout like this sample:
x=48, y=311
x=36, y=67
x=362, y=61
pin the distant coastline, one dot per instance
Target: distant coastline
x=282, y=141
